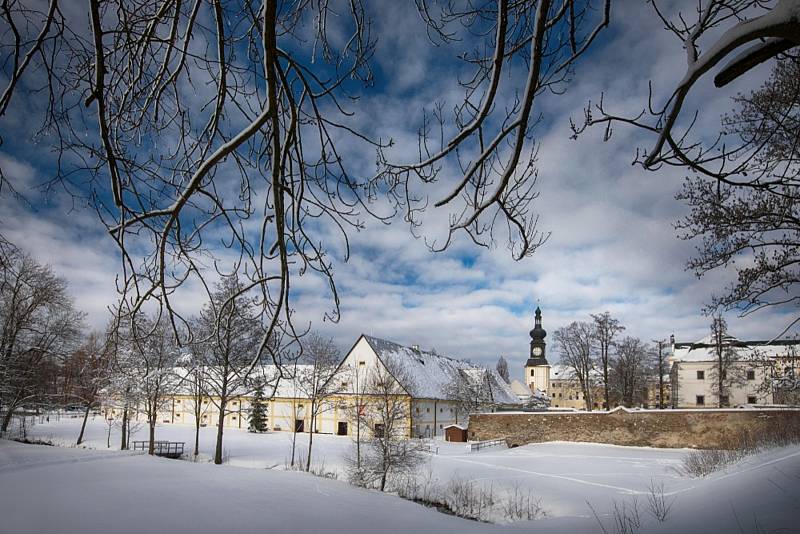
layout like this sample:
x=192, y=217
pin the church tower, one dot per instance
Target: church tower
x=537, y=370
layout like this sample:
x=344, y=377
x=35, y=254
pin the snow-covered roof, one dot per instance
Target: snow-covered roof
x=704, y=350
x=286, y=387
x=559, y=371
x=519, y=388
x=429, y=374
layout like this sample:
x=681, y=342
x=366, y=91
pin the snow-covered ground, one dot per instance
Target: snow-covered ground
x=97, y=491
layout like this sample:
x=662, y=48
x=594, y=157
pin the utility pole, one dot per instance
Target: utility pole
x=660, y=369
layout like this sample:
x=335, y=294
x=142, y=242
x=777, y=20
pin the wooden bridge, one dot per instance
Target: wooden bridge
x=167, y=449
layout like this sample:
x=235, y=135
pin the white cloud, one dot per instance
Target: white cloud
x=613, y=246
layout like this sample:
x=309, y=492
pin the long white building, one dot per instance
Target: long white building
x=427, y=389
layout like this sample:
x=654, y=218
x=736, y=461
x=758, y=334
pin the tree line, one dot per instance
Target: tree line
x=621, y=367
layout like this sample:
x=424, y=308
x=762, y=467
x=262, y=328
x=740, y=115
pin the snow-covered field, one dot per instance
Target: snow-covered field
x=65, y=490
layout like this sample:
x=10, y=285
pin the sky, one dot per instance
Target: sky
x=612, y=246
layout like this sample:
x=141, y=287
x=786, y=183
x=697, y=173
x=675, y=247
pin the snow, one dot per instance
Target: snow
x=560, y=371
x=430, y=374
x=704, y=350
x=68, y=491
x=92, y=491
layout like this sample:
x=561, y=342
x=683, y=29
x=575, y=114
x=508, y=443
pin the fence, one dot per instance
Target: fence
x=478, y=445
x=168, y=449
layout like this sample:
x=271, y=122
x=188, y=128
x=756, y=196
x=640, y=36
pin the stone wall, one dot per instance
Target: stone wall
x=706, y=429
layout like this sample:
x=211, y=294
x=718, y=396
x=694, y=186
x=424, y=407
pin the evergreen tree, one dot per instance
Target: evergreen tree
x=258, y=416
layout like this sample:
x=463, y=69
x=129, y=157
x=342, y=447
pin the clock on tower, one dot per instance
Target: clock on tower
x=538, y=344
x=537, y=370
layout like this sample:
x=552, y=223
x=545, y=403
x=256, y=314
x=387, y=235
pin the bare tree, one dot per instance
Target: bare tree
x=502, y=369
x=760, y=220
x=39, y=327
x=606, y=328
x=470, y=389
x=629, y=370
x=576, y=343
x=150, y=354
x=90, y=366
x=725, y=372
x=389, y=453
x=195, y=382
x=716, y=31
x=231, y=330
x=322, y=358
x=175, y=167
x=743, y=196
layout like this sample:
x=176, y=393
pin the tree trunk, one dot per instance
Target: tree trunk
x=310, y=438
x=220, y=425
x=151, y=448
x=123, y=443
x=8, y=416
x=605, y=384
x=197, y=435
x=83, y=425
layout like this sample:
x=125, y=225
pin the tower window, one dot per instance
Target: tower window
x=532, y=372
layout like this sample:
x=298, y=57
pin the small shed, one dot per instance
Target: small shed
x=456, y=433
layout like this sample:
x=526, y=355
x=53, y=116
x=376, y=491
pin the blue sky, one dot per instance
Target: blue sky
x=612, y=246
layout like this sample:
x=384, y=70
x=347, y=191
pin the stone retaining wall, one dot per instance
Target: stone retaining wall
x=707, y=429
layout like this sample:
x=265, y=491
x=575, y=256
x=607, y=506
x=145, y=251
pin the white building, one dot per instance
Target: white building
x=425, y=381
x=753, y=377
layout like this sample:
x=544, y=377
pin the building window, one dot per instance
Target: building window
x=700, y=400
x=751, y=399
x=701, y=375
x=178, y=401
x=751, y=375
x=532, y=372
x=362, y=364
x=427, y=410
x=417, y=409
x=441, y=410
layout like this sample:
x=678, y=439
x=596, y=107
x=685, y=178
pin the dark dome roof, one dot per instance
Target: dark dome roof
x=538, y=332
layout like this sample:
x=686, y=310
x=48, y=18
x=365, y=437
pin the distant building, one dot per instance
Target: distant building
x=654, y=392
x=566, y=391
x=761, y=372
x=425, y=379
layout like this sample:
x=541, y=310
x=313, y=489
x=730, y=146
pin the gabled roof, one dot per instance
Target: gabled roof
x=704, y=350
x=429, y=374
